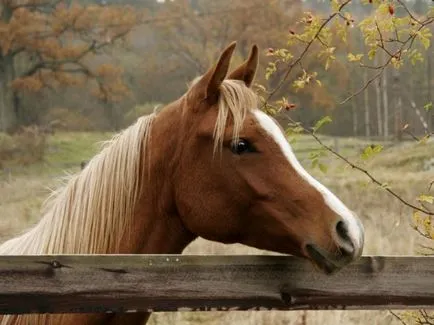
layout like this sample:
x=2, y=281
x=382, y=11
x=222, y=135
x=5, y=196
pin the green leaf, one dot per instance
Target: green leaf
x=424, y=38
x=354, y=58
x=426, y=198
x=335, y=5
x=377, y=148
x=415, y=56
x=270, y=70
x=370, y=151
x=294, y=130
x=428, y=106
x=321, y=122
x=367, y=153
x=323, y=167
x=397, y=63
x=371, y=53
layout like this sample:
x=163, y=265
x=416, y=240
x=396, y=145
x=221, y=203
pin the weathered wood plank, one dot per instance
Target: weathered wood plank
x=128, y=283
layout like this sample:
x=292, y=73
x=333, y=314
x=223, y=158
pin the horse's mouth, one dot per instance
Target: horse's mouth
x=327, y=262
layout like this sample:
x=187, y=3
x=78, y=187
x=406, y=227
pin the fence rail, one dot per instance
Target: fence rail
x=130, y=283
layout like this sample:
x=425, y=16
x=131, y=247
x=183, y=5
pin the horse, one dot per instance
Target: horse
x=210, y=164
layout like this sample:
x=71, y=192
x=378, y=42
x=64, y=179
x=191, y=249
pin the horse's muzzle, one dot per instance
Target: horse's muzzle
x=329, y=262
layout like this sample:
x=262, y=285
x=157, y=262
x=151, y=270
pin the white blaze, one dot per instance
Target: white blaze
x=355, y=228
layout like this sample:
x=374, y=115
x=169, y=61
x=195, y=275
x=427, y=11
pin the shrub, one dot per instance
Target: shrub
x=68, y=120
x=25, y=147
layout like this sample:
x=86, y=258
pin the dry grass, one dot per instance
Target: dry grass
x=386, y=220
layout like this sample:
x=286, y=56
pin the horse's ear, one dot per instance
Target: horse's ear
x=208, y=86
x=247, y=71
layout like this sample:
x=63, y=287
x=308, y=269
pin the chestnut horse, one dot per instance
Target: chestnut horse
x=210, y=164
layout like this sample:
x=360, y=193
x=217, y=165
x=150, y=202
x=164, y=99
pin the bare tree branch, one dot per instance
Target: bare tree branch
x=398, y=318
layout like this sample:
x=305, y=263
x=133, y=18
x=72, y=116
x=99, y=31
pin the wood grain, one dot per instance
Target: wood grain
x=130, y=283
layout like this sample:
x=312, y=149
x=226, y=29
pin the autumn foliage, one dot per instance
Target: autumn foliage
x=59, y=41
x=51, y=44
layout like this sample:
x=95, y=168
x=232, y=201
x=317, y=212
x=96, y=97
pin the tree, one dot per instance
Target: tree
x=53, y=43
x=352, y=36
x=188, y=34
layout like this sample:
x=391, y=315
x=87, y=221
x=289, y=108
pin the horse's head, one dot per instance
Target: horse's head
x=237, y=179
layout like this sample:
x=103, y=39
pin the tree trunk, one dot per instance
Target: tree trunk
x=355, y=117
x=429, y=113
x=378, y=104
x=8, y=116
x=385, y=105
x=397, y=103
x=366, y=104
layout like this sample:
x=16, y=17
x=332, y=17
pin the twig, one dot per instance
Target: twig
x=429, y=249
x=364, y=171
x=398, y=318
x=409, y=12
x=366, y=85
x=372, y=178
x=423, y=234
x=412, y=135
x=304, y=52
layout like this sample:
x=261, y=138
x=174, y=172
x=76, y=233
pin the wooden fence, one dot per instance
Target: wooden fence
x=130, y=283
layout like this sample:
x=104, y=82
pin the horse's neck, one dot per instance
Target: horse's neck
x=158, y=223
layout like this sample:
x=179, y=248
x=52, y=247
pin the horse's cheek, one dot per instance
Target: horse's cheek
x=209, y=213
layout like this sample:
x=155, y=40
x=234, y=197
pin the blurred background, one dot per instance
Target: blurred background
x=74, y=72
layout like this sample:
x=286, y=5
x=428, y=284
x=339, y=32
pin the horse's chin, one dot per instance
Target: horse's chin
x=325, y=261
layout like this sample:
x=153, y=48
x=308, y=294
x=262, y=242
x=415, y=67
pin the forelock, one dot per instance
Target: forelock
x=235, y=101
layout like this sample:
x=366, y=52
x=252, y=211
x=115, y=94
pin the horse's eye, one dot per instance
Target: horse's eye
x=241, y=146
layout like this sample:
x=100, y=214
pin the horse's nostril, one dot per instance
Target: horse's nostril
x=346, y=246
x=342, y=231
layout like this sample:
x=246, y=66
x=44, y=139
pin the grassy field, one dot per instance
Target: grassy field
x=23, y=189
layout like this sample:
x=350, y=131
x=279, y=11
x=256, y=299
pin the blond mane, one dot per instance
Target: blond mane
x=94, y=209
